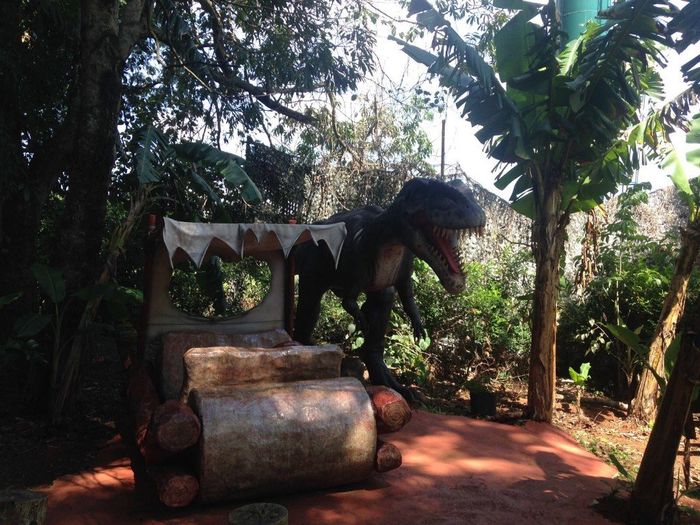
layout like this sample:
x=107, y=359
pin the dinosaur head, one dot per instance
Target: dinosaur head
x=432, y=218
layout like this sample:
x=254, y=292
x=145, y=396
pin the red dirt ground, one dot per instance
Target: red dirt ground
x=456, y=470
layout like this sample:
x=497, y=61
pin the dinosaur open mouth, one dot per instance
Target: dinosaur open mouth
x=445, y=244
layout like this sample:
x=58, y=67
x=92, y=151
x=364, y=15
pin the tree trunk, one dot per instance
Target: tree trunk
x=107, y=35
x=548, y=236
x=11, y=158
x=645, y=403
x=652, y=498
x=95, y=112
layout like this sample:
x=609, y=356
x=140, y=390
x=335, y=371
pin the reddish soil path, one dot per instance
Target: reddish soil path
x=456, y=470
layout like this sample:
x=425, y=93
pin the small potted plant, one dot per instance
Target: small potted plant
x=482, y=398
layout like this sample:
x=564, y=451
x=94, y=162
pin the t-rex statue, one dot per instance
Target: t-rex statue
x=427, y=219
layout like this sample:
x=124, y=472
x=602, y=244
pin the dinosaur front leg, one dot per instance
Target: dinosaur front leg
x=350, y=305
x=405, y=290
x=376, y=310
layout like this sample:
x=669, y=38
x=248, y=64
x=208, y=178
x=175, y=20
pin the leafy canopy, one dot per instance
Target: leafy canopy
x=554, y=114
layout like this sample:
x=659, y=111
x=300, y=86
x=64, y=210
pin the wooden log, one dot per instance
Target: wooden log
x=390, y=409
x=276, y=438
x=388, y=457
x=226, y=365
x=23, y=507
x=144, y=403
x=174, y=427
x=175, y=486
x=152, y=453
x=605, y=401
x=175, y=344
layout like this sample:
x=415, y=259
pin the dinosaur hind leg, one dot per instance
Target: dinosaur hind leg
x=379, y=374
x=376, y=310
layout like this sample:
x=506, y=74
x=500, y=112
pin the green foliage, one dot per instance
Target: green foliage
x=405, y=354
x=21, y=350
x=560, y=113
x=620, y=467
x=193, y=171
x=633, y=274
x=37, y=341
x=617, y=455
x=580, y=377
x=218, y=289
x=367, y=158
x=51, y=282
x=679, y=165
x=479, y=331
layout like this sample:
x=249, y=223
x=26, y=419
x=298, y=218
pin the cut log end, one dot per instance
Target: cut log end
x=390, y=409
x=176, y=488
x=175, y=427
x=388, y=457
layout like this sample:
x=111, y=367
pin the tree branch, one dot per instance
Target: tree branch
x=334, y=126
x=134, y=25
x=230, y=79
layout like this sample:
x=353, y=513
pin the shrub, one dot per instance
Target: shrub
x=632, y=279
x=481, y=331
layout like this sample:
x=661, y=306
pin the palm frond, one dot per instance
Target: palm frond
x=686, y=23
x=151, y=150
x=606, y=78
x=227, y=165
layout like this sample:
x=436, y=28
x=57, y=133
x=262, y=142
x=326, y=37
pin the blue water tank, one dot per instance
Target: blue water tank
x=576, y=13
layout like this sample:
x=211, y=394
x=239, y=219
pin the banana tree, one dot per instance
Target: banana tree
x=193, y=172
x=686, y=24
x=645, y=403
x=554, y=117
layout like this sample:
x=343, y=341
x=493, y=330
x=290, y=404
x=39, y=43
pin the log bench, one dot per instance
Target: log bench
x=249, y=421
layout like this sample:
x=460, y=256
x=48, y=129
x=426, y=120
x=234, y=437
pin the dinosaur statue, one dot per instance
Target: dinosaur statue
x=427, y=219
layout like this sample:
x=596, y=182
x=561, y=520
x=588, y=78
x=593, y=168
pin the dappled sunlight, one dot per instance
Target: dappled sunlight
x=100, y=481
